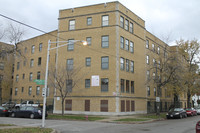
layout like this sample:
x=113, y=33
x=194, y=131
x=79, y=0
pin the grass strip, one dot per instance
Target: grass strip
x=5, y=125
x=74, y=117
x=26, y=130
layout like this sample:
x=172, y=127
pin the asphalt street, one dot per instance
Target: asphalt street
x=186, y=125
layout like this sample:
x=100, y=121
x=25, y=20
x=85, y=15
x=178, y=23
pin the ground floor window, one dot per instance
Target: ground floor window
x=104, y=106
x=87, y=105
x=68, y=105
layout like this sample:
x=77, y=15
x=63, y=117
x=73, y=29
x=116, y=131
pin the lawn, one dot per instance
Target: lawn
x=5, y=125
x=74, y=117
x=26, y=130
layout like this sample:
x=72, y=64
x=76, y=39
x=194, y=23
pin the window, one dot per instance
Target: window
x=131, y=47
x=70, y=63
x=25, y=62
x=31, y=76
x=38, y=90
x=122, y=85
x=89, y=21
x=16, y=90
x=22, y=89
x=154, y=61
x=70, y=46
x=30, y=90
x=105, y=20
x=154, y=91
x=18, y=64
x=121, y=21
x=148, y=91
x=127, y=65
x=23, y=76
x=122, y=42
x=25, y=50
x=132, y=87
x=147, y=43
x=87, y=105
x=105, y=41
x=148, y=74
x=87, y=83
x=147, y=59
x=131, y=27
x=122, y=106
x=38, y=75
x=1, y=66
x=104, y=106
x=71, y=24
x=104, y=85
x=132, y=105
x=127, y=86
x=126, y=24
x=153, y=47
x=127, y=106
x=132, y=66
x=39, y=61
x=122, y=63
x=88, y=61
x=127, y=44
x=68, y=105
x=104, y=62
x=31, y=62
x=40, y=47
x=33, y=49
x=17, y=78
x=158, y=50
x=69, y=85
x=89, y=41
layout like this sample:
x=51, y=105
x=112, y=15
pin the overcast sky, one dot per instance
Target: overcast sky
x=177, y=18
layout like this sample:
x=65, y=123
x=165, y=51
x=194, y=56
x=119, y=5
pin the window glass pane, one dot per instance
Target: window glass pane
x=87, y=83
x=122, y=85
x=33, y=49
x=104, y=63
x=122, y=42
x=71, y=24
x=122, y=64
x=127, y=65
x=132, y=66
x=127, y=44
x=105, y=20
x=69, y=85
x=89, y=40
x=70, y=63
x=89, y=21
x=70, y=45
x=131, y=27
x=88, y=61
x=105, y=41
x=132, y=87
x=126, y=24
x=104, y=85
x=2, y=66
x=122, y=22
x=131, y=47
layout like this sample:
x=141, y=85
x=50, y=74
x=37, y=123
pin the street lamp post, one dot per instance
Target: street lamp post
x=46, y=73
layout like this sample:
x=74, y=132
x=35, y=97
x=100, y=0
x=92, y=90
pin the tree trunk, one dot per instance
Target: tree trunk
x=188, y=99
x=63, y=106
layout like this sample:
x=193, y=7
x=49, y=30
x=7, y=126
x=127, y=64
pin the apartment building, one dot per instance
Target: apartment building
x=6, y=72
x=111, y=73
x=29, y=66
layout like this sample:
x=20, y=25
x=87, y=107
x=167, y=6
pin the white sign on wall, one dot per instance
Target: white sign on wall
x=95, y=80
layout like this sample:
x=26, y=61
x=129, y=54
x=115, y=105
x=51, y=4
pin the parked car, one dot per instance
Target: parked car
x=28, y=112
x=4, y=111
x=26, y=103
x=9, y=104
x=198, y=127
x=191, y=111
x=176, y=113
x=198, y=111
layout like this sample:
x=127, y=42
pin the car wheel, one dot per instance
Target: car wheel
x=13, y=115
x=32, y=116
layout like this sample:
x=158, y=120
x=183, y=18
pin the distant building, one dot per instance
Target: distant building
x=6, y=72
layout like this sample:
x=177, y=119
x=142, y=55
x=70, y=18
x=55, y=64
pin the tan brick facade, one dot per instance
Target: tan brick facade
x=117, y=54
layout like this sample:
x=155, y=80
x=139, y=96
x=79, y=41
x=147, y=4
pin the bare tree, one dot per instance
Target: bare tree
x=12, y=34
x=64, y=80
x=190, y=51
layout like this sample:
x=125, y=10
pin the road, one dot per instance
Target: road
x=186, y=125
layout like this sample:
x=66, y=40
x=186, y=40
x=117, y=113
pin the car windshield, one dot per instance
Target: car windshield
x=175, y=109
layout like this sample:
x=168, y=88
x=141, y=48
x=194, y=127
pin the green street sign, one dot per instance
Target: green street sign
x=39, y=82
